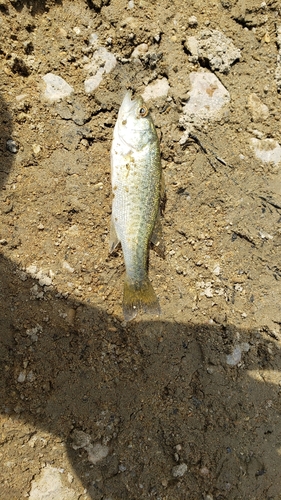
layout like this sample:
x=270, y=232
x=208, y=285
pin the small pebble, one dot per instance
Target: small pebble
x=12, y=146
x=97, y=452
x=66, y=266
x=63, y=32
x=21, y=377
x=70, y=477
x=84, y=143
x=179, y=470
x=140, y=50
x=36, y=149
x=216, y=270
x=45, y=281
x=204, y=471
x=93, y=38
x=192, y=21
x=98, y=186
x=208, y=292
x=264, y=235
x=258, y=110
x=70, y=315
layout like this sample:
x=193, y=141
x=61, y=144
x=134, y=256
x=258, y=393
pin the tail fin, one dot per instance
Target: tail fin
x=139, y=298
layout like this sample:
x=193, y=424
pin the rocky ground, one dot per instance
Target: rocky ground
x=187, y=405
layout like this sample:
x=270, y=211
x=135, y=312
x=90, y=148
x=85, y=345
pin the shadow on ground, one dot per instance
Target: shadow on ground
x=34, y=6
x=158, y=394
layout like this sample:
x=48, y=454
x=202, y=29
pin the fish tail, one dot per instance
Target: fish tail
x=139, y=297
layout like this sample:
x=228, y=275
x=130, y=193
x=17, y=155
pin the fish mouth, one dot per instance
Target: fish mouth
x=129, y=103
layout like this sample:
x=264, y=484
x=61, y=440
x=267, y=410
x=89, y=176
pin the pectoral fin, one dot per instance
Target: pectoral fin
x=157, y=238
x=113, y=239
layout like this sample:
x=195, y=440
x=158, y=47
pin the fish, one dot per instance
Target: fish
x=137, y=190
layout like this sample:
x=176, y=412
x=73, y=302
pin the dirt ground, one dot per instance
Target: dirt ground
x=184, y=406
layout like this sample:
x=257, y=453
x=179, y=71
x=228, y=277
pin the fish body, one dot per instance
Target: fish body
x=136, y=187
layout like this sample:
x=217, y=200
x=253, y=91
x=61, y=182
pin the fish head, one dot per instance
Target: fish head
x=134, y=123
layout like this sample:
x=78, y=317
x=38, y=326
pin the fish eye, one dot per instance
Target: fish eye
x=143, y=111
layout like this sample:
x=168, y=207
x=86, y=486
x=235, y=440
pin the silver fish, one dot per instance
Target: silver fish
x=136, y=185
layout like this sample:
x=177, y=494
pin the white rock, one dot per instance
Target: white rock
x=139, y=51
x=70, y=477
x=32, y=270
x=267, y=150
x=32, y=332
x=259, y=111
x=92, y=83
x=156, y=90
x=236, y=356
x=36, y=148
x=22, y=377
x=192, y=21
x=216, y=270
x=34, y=290
x=93, y=39
x=50, y=486
x=192, y=46
x=208, y=292
x=101, y=62
x=67, y=267
x=216, y=48
x=185, y=136
x=108, y=60
x=56, y=87
x=179, y=470
x=207, y=97
x=97, y=452
x=45, y=280
x=265, y=236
